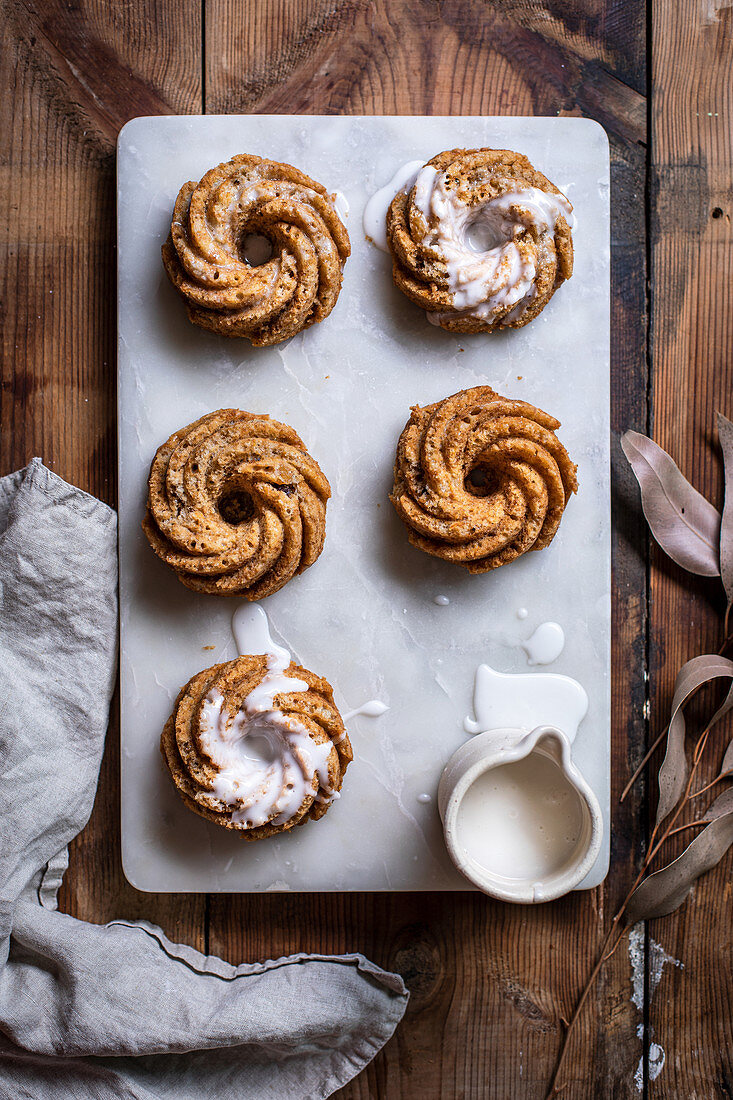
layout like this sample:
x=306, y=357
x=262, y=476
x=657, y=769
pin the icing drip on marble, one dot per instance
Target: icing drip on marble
x=267, y=762
x=251, y=630
x=375, y=211
x=525, y=701
x=371, y=709
x=545, y=645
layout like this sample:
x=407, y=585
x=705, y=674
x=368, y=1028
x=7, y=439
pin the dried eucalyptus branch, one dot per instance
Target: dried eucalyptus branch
x=673, y=772
x=694, y=535
x=626, y=915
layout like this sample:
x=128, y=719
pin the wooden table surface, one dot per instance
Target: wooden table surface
x=490, y=983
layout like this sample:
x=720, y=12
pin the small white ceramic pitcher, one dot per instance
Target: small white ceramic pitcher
x=499, y=747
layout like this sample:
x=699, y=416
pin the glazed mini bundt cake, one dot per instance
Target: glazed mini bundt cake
x=257, y=745
x=206, y=254
x=480, y=239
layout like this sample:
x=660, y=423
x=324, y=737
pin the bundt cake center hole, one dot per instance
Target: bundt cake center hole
x=257, y=748
x=481, y=481
x=236, y=507
x=256, y=249
x=485, y=232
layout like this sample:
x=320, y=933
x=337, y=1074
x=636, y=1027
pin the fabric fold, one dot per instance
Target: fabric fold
x=119, y=1011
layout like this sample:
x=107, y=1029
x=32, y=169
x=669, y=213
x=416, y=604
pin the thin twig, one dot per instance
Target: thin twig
x=643, y=764
x=707, y=786
x=555, y=1090
x=650, y=752
x=689, y=825
x=696, y=756
x=613, y=950
x=654, y=847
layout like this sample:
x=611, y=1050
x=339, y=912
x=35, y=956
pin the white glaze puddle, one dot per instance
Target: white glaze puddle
x=375, y=211
x=251, y=630
x=371, y=709
x=521, y=821
x=545, y=645
x=527, y=700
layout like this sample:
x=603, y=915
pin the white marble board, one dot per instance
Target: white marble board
x=364, y=615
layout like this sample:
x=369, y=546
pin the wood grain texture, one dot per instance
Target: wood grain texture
x=490, y=983
x=690, y=1013
x=74, y=75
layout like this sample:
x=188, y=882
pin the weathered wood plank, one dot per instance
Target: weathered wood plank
x=73, y=76
x=490, y=982
x=692, y=325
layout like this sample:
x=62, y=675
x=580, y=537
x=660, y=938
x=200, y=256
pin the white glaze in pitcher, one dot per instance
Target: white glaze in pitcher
x=541, y=830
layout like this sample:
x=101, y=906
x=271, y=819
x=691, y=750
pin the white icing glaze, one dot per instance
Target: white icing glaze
x=521, y=821
x=371, y=709
x=375, y=211
x=442, y=601
x=267, y=762
x=425, y=798
x=545, y=645
x=340, y=204
x=525, y=701
x=251, y=630
x=522, y=612
x=486, y=269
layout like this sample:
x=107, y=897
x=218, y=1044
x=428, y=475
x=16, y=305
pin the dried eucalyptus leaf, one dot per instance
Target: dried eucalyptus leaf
x=725, y=434
x=726, y=768
x=723, y=804
x=683, y=522
x=673, y=772
x=727, y=765
x=725, y=706
x=665, y=890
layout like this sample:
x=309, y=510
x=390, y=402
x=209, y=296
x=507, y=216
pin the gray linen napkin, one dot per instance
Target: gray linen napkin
x=92, y=1012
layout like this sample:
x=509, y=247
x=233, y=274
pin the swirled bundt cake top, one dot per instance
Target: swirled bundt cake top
x=257, y=744
x=236, y=505
x=480, y=479
x=480, y=239
x=206, y=254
